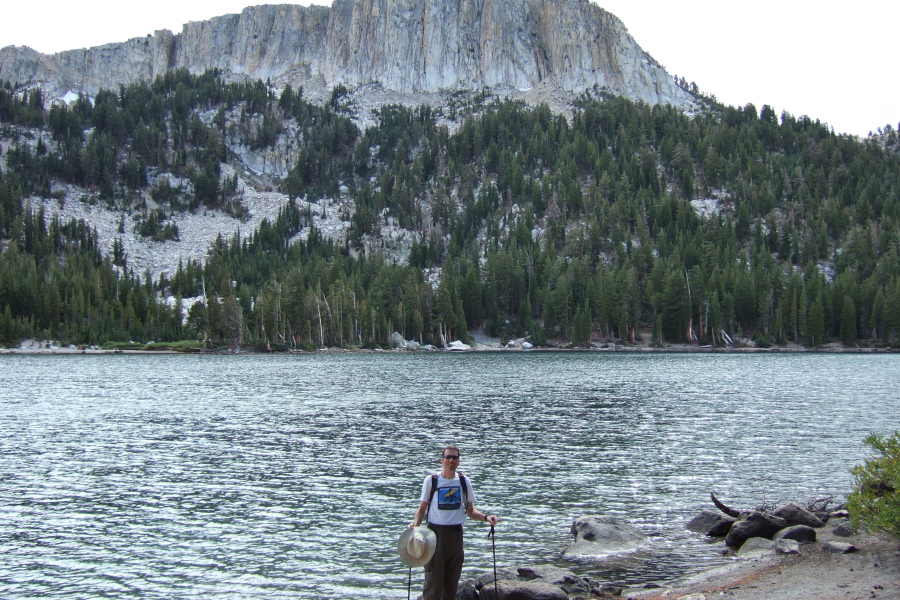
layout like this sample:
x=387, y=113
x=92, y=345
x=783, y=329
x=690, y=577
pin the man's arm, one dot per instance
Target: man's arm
x=420, y=515
x=477, y=515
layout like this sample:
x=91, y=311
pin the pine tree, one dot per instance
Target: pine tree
x=848, y=322
x=815, y=323
x=581, y=329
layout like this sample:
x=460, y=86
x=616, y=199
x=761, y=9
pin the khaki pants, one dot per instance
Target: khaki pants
x=443, y=570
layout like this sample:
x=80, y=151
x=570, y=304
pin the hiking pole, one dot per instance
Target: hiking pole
x=493, y=537
x=409, y=585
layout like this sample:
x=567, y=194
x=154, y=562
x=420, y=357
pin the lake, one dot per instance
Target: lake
x=292, y=476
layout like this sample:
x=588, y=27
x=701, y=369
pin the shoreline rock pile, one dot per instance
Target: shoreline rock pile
x=596, y=537
x=747, y=534
x=783, y=530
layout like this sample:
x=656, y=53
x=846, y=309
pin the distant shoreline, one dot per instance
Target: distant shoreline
x=41, y=348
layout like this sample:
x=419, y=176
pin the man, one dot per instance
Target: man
x=446, y=503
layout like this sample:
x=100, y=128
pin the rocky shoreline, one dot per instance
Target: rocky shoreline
x=52, y=347
x=831, y=561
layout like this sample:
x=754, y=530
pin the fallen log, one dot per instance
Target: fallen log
x=725, y=509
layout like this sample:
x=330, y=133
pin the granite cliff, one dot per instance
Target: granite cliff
x=406, y=46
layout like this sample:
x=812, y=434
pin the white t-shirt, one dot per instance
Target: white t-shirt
x=446, y=507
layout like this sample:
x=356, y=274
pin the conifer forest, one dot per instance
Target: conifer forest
x=567, y=229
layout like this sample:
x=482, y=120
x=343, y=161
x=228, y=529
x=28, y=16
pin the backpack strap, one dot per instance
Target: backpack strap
x=434, y=480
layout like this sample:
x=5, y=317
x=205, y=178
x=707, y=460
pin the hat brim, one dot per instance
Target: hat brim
x=430, y=547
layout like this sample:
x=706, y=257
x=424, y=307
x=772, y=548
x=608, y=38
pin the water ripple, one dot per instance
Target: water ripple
x=292, y=476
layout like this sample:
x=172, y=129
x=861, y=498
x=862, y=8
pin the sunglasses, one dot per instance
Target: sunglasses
x=452, y=456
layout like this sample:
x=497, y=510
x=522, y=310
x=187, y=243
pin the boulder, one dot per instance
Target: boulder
x=798, y=533
x=712, y=523
x=397, y=341
x=488, y=578
x=458, y=346
x=466, y=591
x=756, y=544
x=569, y=582
x=795, y=514
x=522, y=590
x=838, y=547
x=547, y=573
x=600, y=535
x=413, y=345
x=754, y=524
x=844, y=529
x=786, y=546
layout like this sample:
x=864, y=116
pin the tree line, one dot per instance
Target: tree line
x=561, y=227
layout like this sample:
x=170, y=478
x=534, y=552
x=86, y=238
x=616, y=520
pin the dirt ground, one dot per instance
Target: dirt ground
x=872, y=572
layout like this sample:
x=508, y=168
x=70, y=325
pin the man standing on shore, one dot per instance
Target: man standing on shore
x=447, y=499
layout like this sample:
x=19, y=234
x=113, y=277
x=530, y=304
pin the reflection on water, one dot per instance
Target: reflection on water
x=292, y=476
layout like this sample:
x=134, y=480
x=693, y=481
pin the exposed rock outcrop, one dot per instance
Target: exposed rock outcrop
x=409, y=46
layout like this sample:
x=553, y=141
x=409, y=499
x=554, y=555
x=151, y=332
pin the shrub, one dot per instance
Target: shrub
x=875, y=499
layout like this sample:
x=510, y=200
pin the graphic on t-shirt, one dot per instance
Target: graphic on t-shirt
x=449, y=498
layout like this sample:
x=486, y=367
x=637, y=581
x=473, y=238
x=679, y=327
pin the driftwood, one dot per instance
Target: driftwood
x=725, y=509
x=819, y=505
x=814, y=506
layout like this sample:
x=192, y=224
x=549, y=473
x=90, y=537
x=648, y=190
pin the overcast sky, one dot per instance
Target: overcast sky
x=832, y=61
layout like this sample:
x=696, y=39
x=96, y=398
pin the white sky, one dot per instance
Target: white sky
x=833, y=61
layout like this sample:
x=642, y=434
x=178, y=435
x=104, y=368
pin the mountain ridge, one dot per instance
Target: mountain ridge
x=406, y=46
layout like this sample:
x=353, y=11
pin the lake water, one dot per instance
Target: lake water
x=292, y=476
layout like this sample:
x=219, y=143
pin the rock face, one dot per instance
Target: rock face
x=408, y=46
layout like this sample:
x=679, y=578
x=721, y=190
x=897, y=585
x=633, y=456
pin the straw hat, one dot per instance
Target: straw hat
x=416, y=546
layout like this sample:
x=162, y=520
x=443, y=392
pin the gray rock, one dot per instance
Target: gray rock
x=568, y=581
x=844, y=529
x=754, y=524
x=838, y=547
x=466, y=591
x=712, y=523
x=786, y=546
x=407, y=46
x=397, y=341
x=545, y=572
x=523, y=590
x=488, y=578
x=799, y=533
x=599, y=535
x=795, y=514
x=756, y=544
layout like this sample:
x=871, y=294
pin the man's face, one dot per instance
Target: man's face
x=450, y=458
